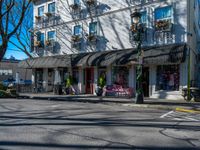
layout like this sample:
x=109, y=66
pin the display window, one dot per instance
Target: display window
x=120, y=76
x=75, y=75
x=168, y=77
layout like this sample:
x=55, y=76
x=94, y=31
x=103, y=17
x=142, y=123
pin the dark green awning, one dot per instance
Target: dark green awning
x=165, y=54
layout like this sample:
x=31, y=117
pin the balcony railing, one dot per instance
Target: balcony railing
x=76, y=41
x=92, y=38
x=48, y=19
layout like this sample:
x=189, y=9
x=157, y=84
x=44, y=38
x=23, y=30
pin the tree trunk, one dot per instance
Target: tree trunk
x=3, y=48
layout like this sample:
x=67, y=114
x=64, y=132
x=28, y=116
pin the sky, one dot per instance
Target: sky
x=14, y=51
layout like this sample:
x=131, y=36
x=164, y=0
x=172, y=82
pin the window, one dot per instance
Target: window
x=120, y=76
x=93, y=28
x=51, y=35
x=77, y=2
x=77, y=30
x=163, y=13
x=143, y=17
x=41, y=11
x=40, y=37
x=51, y=7
x=168, y=77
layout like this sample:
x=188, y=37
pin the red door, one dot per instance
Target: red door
x=89, y=80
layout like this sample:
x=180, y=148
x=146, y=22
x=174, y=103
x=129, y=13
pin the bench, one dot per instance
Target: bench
x=118, y=90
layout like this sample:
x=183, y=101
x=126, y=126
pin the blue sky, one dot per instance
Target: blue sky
x=13, y=51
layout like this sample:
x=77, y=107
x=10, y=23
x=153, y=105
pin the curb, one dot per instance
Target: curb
x=186, y=110
x=150, y=106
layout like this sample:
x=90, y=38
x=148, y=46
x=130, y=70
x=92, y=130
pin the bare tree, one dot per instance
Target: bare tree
x=12, y=13
x=24, y=34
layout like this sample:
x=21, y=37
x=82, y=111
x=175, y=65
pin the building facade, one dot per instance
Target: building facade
x=9, y=68
x=87, y=38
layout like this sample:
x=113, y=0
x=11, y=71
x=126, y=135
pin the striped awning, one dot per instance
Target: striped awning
x=165, y=54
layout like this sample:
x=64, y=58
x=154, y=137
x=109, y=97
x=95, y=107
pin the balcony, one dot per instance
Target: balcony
x=49, y=19
x=163, y=25
x=92, y=38
x=76, y=41
x=50, y=46
x=91, y=3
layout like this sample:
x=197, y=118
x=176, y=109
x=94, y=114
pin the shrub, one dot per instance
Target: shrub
x=12, y=92
x=2, y=87
x=4, y=94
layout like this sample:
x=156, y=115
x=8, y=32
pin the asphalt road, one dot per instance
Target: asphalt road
x=42, y=124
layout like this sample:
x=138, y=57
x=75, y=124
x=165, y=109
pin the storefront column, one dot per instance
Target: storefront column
x=109, y=75
x=33, y=79
x=80, y=79
x=45, y=79
x=132, y=77
x=95, y=80
x=183, y=75
x=152, y=80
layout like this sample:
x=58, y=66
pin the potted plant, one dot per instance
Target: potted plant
x=101, y=84
x=47, y=42
x=48, y=14
x=37, y=44
x=69, y=83
x=75, y=38
x=90, y=2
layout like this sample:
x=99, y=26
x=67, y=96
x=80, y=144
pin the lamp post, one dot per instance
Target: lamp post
x=137, y=30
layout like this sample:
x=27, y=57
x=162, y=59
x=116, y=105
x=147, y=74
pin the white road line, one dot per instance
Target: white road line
x=192, y=119
x=163, y=116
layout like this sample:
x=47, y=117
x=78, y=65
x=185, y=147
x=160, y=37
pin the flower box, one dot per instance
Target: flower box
x=37, y=17
x=92, y=38
x=47, y=42
x=48, y=14
x=90, y=2
x=75, y=38
x=37, y=44
x=163, y=25
x=75, y=6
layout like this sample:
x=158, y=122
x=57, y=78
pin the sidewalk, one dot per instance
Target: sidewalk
x=178, y=105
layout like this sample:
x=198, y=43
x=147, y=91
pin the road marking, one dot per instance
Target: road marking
x=187, y=110
x=181, y=116
x=163, y=116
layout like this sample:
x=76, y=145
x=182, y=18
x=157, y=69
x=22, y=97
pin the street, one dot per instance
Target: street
x=46, y=124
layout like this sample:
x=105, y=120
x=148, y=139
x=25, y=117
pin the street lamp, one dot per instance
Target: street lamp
x=137, y=30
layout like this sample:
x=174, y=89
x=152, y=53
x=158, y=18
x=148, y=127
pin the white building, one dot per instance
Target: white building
x=89, y=37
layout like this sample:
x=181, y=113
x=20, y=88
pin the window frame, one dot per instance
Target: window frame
x=51, y=39
x=38, y=9
x=54, y=7
x=163, y=18
x=80, y=30
x=96, y=32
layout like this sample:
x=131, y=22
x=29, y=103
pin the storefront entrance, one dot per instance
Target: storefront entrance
x=145, y=81
x=89, y=80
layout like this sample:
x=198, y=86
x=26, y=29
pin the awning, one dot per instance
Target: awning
x=46, y=62
x=165, y=54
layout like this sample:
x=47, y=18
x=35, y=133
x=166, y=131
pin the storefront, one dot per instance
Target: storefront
x=162, y=72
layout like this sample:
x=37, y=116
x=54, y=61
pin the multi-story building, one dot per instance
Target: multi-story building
x=9, y=68
x=87, y=38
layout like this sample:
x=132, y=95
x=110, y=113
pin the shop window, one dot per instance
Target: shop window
x=168, y=78
x=41, y=11
x=120, y=76
x=75, y=74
